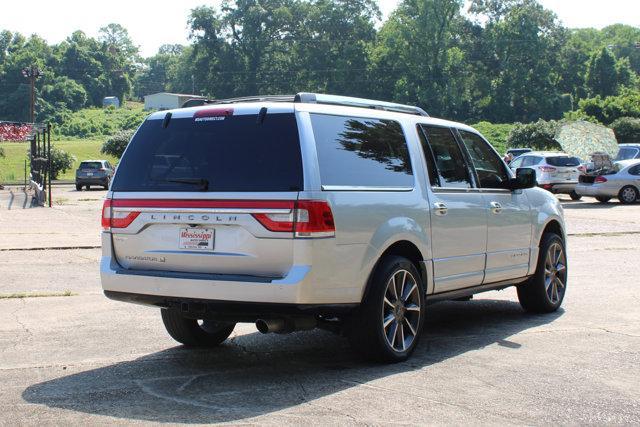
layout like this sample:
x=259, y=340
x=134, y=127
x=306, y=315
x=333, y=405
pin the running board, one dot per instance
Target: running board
x=461, y=293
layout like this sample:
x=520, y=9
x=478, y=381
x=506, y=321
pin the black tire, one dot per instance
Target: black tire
x=78, y=187
x=534, y=295
x=603, y=199
x=193, y=334
x=366, y=330
x=575, y=196
x=106, y=185
x=87, y=187
x=628, y=194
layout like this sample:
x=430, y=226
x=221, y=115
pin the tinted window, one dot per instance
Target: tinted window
x=563, y=161
x=635, y=170
x=428, y=156
x=489, y=167
x=361, y=152
x=233, y=154
x=450, y=164
x=627, y=153
x=90, y=165
x=530, y=161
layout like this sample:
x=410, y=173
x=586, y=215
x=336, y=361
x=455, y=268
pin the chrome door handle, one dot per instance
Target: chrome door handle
x=496, y=207
x=440, y=208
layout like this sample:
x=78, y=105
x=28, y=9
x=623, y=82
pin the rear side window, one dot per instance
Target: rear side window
x=361, y=152
x=627, y=153
x=449, y=160
x=90, y=165
x=560, y=161
x=234, y=154
x=635, y=170
x=531, y=161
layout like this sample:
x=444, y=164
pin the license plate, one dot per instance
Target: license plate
x=196, y=239
x=89, y=173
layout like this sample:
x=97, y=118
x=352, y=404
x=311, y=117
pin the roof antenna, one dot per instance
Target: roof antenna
x=167, y=119
x=261, y=115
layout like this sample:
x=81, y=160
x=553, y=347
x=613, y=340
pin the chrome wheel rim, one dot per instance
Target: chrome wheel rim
x=401, y=310
x=555, y=273
x=629, y=195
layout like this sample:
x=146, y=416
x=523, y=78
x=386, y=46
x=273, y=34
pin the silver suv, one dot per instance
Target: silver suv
x=321, y=211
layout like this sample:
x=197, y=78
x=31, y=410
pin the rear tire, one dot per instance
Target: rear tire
x=193, y=334
x=386, y=328
x=575, y=196
x=628, y=195
x=602, y=199
x=544, y=292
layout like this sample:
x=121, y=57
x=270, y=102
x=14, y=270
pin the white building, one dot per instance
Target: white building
x=167, y=101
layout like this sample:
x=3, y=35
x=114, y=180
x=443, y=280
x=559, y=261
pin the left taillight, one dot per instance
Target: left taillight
x=307, y=219
x=114, y=219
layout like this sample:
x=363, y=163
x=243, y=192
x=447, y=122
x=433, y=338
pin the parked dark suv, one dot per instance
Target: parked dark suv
x=94, y=172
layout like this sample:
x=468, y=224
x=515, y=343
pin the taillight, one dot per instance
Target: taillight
x=309, y=218
x=582, y=169
x=547, y=169
x=114, y=219
x=600, y=179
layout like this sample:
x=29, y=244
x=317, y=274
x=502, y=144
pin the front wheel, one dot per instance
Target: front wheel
x=628, y=195
x=544, y=292
x=78, y=187
x=387, y=325
x=575, y=196
x=195, y=333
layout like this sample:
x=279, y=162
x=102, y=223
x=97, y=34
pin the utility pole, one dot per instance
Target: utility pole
x=32, y=73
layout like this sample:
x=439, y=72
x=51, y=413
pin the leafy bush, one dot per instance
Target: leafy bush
x=61, y=161
x=627, y=130
x=538, y=136
x=496, y=134
x=609, y=109
x=98, y=122
x=115, y=144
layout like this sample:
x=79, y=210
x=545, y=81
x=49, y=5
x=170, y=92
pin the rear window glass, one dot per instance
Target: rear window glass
x=361, y=152
x=90, y=165
x=563, y=161
x=234, y=154
x=627, y=153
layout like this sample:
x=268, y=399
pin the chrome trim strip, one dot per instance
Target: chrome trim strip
x=201, y=210
x=364, y=188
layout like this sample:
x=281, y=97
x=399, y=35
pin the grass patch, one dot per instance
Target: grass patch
x=12, y=165
x=21, y=295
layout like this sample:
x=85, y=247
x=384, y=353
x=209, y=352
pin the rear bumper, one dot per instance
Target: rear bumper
x=559, y=188
x=92, y=181
x=596, y=190
x=235, y=311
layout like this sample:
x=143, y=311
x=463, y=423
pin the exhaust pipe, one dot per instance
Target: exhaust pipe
x=270, y=326
x=285, y=326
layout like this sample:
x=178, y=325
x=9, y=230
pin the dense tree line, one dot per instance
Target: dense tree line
x=496, y=60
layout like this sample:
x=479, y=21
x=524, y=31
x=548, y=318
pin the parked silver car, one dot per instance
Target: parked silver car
x=623, y=183
x=322, y=211
x=555, y=172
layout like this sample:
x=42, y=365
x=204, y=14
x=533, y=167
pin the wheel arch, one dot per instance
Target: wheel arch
x=406, y=249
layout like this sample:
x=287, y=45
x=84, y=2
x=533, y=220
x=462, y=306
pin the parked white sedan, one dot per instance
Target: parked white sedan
x=623, y=184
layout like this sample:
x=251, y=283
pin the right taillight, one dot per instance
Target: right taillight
x=309, y=218
x=600, y=179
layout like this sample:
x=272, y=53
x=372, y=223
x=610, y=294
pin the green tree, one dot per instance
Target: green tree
x=601, y=78
x=627, y=130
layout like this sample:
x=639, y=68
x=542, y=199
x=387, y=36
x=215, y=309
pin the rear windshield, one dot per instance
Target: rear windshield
x=563, y=161
x=234, y=154
x=90, y=165
x=627, y=153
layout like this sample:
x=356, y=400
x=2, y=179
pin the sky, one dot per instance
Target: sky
x=154, y=23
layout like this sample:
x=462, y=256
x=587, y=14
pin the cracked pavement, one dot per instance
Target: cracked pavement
x=87, y=360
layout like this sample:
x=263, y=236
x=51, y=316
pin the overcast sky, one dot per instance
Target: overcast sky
x=153, y=23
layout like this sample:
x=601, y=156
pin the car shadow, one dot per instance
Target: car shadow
x=256, y=374
x=594, y=205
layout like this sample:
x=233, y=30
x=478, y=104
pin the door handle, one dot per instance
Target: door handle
x=440, y=208
x=496, y=207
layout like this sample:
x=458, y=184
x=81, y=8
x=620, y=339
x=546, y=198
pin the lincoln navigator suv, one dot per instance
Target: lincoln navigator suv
x=320, y=211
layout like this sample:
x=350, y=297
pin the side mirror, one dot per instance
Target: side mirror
x=525, y=178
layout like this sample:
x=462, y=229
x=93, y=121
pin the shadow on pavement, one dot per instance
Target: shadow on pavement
x=595, y=205
x=255, y=374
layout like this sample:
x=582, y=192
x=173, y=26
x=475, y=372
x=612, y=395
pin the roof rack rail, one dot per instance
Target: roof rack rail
x=315, y=98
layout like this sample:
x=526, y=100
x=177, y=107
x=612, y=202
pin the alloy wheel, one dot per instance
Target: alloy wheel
x=555, y=273
x=628, y=195
x=401, y=310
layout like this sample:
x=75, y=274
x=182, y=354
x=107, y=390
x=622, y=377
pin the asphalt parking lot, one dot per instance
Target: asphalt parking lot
x=71, y=356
